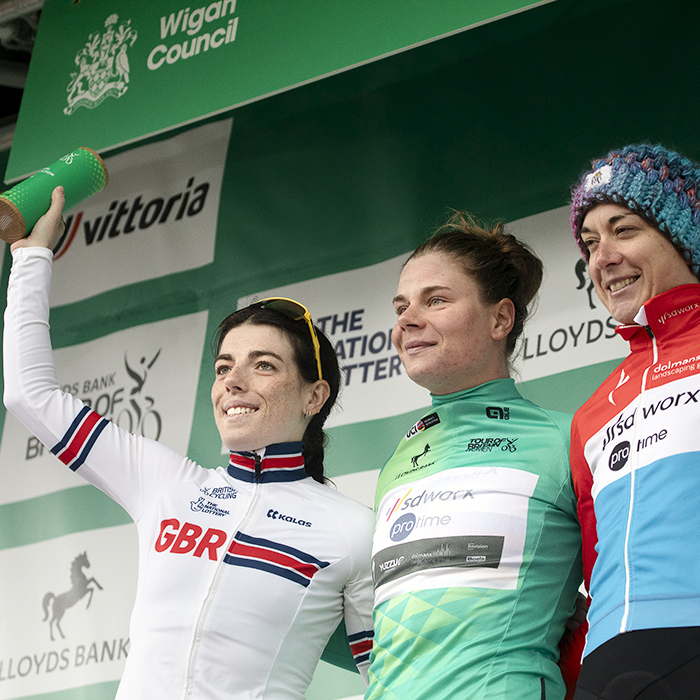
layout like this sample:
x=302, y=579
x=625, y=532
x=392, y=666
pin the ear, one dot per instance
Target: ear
x=320, y=390
x=503, y=318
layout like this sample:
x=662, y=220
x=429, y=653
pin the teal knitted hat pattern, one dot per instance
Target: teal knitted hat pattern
x=652, y=181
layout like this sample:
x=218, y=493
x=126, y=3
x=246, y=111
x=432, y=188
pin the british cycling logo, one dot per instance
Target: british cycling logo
x=488, y=444
x=276, y=515
x=103, y=66
x=55, y=606
x=498, y=413
x=423, y=424
x=207, y=507
x=220, y=492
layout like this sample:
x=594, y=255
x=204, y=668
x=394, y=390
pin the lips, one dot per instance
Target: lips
x=617, y=285
x=239, y=409
x=414, y=346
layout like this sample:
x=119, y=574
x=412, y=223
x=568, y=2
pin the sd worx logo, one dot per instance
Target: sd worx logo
x=128, y=216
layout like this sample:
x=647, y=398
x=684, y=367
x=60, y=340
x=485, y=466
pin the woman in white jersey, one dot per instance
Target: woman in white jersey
x=477, y=550
x=237, y=598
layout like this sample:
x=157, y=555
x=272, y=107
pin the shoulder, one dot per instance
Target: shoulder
x=341, y=506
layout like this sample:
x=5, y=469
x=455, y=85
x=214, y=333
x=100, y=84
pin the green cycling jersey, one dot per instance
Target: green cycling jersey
x=477, y=552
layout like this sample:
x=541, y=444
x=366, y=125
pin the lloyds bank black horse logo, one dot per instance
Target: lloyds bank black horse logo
x=583, y=278
x=56, y=605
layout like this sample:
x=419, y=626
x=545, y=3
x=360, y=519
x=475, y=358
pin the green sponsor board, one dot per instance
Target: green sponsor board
x=109, y=73
x=332, y=177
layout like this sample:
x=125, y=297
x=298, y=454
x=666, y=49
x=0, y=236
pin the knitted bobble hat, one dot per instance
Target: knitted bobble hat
x=658, y=184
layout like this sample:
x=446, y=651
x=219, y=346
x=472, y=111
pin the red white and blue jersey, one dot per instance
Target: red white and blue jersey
x=244, y=571
x=635, y=456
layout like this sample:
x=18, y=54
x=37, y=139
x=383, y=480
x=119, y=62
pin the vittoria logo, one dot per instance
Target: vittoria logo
x=55, y=606
x=423, y=424
x=103, y=66
x=133, y=215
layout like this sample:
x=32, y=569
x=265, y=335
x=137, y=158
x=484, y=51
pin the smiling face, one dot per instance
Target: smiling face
x=447, y=338
x=630, y=260
x=258, y=395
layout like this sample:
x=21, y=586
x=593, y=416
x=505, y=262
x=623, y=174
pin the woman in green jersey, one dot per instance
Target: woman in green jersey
x=477, y=549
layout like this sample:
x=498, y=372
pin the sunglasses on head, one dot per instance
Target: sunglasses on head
x=296, y=311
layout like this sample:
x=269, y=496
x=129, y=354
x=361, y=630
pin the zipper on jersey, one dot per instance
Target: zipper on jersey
x=633, y=472
x=214, y=585
x=258, y=467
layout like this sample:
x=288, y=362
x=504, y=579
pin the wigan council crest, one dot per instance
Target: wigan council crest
x=103, y=66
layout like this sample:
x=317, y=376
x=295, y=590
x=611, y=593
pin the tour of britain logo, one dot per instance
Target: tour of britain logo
x=103, y=66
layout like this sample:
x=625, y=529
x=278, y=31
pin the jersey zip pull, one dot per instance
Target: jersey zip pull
x=650, y=333
x=258, y=467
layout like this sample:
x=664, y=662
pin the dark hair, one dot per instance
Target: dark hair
x=302, y=347
x=502, y=266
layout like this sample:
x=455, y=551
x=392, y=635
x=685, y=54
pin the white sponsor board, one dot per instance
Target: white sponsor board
x=143, y=378
x=157, y=216
x=570, y=327
x=354, y=310
x=89, y=625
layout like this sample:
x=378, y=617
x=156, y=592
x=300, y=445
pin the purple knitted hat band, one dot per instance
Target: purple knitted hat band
x=658, y=184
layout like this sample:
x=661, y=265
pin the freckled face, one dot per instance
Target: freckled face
x=258, y=395
x=445, y=335
x=630, y=260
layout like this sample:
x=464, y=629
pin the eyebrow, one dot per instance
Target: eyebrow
x=252, y=355
x=424, y=292
x=612, y=220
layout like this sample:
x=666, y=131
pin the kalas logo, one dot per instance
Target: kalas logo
x=103, y=66
x=56, y=605
x=125, y=217
x=276, y=515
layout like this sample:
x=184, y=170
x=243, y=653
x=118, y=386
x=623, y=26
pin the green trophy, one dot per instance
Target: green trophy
x=82, y=174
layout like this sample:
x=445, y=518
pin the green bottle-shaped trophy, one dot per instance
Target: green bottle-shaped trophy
x=82, y=174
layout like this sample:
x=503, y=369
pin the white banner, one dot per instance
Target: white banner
x=570, y=327
x=158, y=215
x=354, y=310
x=65, y=620
x=136, y=377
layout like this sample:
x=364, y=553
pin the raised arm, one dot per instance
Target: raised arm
x=127, y=468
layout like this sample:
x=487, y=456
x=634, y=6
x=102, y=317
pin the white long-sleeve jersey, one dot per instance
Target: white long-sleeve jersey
x=244, y=571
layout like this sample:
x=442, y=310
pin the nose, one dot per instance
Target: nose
x=410, y=318
x=606, y=254
x=234, y=379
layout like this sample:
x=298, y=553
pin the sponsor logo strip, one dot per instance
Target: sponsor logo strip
x=273, y=557
x=437, y=552
x=361, y=645
x=78, y=440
